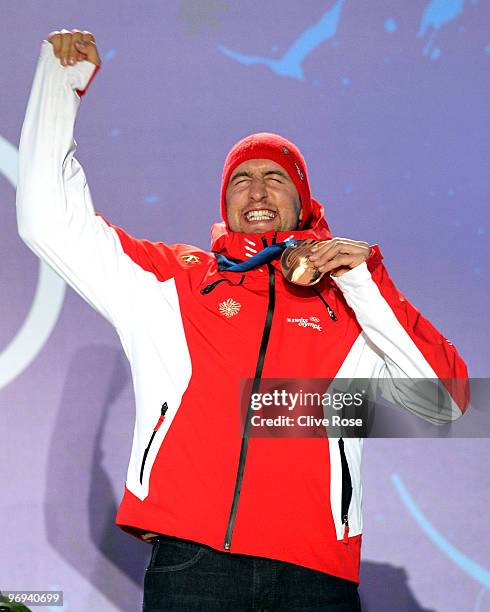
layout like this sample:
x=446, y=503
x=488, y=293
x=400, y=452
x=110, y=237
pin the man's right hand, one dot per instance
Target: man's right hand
x=74, y=46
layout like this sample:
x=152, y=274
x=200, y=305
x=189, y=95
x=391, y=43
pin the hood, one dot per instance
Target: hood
x=267, y=145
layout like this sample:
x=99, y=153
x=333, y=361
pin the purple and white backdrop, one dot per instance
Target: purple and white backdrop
x=388, y=101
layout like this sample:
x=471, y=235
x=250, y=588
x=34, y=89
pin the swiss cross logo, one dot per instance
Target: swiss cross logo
x=190, y=259
x=229, y=307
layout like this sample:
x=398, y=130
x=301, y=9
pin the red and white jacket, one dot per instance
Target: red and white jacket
x=190, y=340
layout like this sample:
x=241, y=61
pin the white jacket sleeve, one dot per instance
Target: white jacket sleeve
x=55, y=214
x=420, y=370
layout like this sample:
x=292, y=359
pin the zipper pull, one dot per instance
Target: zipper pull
x=331, y=313
x=345, y=539
x=162, y=416
x=208, y=288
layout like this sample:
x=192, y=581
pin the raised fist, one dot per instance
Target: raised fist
x=74, y=46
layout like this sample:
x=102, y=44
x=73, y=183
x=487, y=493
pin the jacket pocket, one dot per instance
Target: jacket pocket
x=346, y=495
x=155, y=429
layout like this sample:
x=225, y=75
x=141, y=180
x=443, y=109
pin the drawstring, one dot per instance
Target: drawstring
x=208, y=288
x=330, y=311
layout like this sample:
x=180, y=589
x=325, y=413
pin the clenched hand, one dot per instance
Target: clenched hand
x=74, y=46
x=339, y=254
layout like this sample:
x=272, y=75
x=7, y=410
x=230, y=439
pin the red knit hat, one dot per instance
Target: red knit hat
x=266, y=145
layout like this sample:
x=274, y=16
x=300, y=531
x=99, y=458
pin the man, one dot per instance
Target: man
x=237, y=522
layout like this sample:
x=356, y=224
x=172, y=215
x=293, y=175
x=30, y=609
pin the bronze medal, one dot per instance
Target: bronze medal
x=295, y=264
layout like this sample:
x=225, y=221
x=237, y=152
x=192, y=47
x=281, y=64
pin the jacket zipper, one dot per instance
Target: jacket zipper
x=258, y=373
x=155, y=429
x=346, y=491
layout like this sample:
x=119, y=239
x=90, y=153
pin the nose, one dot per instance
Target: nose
x=257, y=189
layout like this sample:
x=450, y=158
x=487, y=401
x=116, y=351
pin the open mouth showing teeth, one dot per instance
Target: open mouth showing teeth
x=260, y=215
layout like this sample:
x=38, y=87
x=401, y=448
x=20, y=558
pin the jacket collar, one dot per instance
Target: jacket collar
x=239, y=245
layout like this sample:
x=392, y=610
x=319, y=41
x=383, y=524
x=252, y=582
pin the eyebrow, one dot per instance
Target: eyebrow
x=243, y=173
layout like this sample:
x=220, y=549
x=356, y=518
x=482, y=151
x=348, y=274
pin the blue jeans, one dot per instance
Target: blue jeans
x=184, y=576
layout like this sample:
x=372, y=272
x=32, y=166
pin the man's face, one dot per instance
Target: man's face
x=261, y=196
